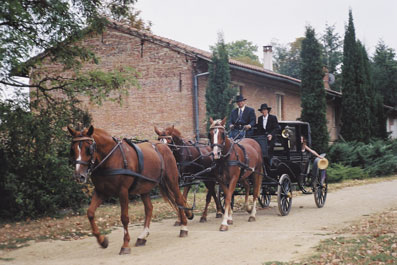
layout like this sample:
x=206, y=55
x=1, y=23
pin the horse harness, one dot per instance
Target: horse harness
x=118, y=171
x=243, y=166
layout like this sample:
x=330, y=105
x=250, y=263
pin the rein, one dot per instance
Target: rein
x=111, y=171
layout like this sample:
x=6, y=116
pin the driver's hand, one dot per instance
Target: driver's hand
x=247, y=127
x=231, y=126
x=269, y=137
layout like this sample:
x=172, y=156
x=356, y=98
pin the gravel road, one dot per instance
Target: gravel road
x=272, y=237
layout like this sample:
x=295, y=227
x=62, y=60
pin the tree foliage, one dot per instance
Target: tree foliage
x=243, y=51
x=313, y=99
x=219, y=92
x=35, y=171
x=356, y=116
x=384, y=67
x=332, y=54
x=287, y=58
x=35, y=176
x=28, y=28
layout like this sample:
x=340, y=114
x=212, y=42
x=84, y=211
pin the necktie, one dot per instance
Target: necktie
x=240, y=114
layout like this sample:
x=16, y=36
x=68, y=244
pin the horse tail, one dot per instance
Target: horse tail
x=169, y=180
x=167, y=193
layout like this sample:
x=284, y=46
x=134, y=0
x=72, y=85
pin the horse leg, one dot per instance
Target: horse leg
x=210, y=190
x=186, y=190
x=228, y=191
x=141, y=241
x=257, y=177
x=247, y=187
x=95, y=202
x=217, y=202
x=123, y=196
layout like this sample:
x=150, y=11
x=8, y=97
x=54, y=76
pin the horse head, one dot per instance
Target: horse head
x=83, y=152
x=217, y=136
x=166, y=136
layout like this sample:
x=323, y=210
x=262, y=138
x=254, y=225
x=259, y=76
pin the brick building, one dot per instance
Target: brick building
x=173, y=78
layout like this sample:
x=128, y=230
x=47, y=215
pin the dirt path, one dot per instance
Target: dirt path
x=270, y=238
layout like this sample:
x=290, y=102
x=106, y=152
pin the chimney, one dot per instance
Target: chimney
x=268, y=57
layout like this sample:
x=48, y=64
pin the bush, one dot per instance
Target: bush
x=338, y=172
x=377, y=158
x=35, y=175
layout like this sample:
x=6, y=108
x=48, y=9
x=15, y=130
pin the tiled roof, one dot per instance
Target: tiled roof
x=176, y=45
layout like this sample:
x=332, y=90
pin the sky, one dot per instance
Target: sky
x=198, y=22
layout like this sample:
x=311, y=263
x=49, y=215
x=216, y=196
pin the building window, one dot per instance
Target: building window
x=279, y=106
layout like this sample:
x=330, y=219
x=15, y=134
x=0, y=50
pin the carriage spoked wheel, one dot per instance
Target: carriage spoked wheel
x=221, y=196
x=320, y=188
x=264, y=198
x=284, y=195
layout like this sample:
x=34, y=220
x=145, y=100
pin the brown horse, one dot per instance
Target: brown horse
x=118, y=168
x=237, y=162
x=192, y=158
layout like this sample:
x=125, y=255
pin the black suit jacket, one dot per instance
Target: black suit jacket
x=248, y=117
x=272, y=126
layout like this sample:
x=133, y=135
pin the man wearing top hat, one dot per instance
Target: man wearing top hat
x=242, y=119
x=268, y=125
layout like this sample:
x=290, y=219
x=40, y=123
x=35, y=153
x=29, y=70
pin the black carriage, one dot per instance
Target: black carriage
x=290, y=168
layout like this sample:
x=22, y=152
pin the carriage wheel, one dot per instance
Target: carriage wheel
x=221, y=196
x=320, y=188
x=284, y=195
x=264, y=199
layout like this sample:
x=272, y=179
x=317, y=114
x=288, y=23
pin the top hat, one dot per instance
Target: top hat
x=264, y=106
x=239, y=98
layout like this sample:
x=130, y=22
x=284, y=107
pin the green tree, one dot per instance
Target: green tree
x=53, y=28
x=332, y=54
x=356, y=116
x=384, y=65
x=287, y=58
x=35, y=171
x=243, y=51
x=313, y=99
x=219, y=92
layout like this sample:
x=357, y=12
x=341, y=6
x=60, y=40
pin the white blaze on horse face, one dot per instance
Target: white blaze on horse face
x=216, y=147
x=163, y=140
x=78, y=159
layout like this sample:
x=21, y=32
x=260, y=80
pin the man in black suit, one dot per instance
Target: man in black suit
x=268, y=125
x=242, y=119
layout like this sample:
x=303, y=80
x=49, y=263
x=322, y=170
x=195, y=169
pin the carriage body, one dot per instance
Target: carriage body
x=292, y=169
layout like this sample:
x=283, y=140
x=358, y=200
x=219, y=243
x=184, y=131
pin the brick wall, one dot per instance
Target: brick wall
x=165, y=96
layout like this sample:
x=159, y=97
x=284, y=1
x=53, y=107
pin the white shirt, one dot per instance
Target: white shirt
x=265, y=121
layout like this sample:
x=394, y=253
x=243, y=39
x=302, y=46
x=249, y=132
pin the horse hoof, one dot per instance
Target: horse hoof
x=223, y=228
x=177, y=223
x=218, y=215
x=203, y=219
x=191, y=217
x=229, y=222
x=183, y=233
x=140, y=242
x=124, y=251
x=251, y=219
x=105, y=242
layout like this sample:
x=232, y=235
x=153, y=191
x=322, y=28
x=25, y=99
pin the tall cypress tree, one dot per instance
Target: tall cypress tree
x=355, y=99
x=219, y=92
x=313, y=101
